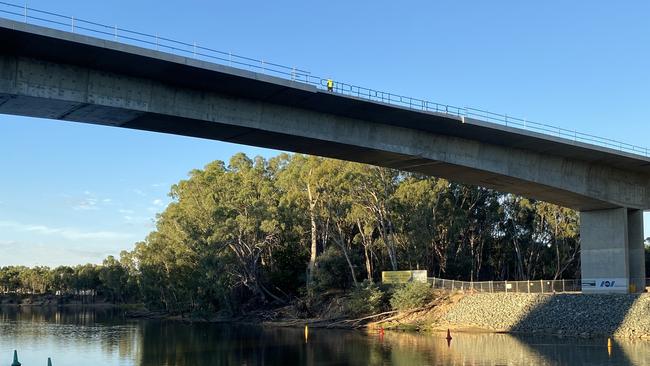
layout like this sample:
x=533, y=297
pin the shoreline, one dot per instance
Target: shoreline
x=562, y=315
x=49, y=305
x=64, y=303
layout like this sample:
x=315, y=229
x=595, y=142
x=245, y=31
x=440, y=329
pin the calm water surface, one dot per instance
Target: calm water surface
x=104, y=337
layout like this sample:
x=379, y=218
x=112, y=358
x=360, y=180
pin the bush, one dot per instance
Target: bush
x=332, y=271
x=287, y=271
x=365, y=299
x=411, y=295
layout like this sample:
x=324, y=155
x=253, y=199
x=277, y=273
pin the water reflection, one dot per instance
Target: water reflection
x=104, y=337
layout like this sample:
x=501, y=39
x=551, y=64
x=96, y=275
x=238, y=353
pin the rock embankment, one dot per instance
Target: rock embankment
x=560, y=314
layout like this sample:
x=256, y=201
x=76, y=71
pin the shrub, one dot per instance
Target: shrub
x=411, y=295
x=287, y=270
x=365, y=299
x=332, y=271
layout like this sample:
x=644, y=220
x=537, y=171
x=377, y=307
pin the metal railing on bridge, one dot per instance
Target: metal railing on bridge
x=24, y=13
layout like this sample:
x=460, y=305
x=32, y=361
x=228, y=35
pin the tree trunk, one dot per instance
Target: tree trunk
x=389, y=244
x=347, y=258
x=314, y=236
x=519, y=263
x=365, y=242
x=340, y=240
x=368, y=263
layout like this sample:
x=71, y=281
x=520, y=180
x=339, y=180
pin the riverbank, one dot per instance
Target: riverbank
x=578, y=315
x=48, y=300
x=573, y=315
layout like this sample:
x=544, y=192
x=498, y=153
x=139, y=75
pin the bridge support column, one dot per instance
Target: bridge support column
x=636, y=250
x=612, y=253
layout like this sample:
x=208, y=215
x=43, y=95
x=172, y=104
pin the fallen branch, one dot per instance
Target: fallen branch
x=407, y=313
x=359, y=320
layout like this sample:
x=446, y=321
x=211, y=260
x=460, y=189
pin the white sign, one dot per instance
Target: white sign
x=404, y=276
x=605, y=284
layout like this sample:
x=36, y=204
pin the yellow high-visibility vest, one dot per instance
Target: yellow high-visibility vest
x=330, y=83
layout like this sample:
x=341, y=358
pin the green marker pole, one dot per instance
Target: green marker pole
x=15, y=363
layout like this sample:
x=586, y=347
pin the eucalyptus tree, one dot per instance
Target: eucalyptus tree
x=63, y=279
x=339, y=199
x=251, y=228
x=422, y=209
x=213, y=237
x=557, y=229
x=365, y=230
x=10, y=278
x=301, y=181
x=516, y=230
x=113, y=279
x=374, y=193
x=477, y=217
x=246, y=232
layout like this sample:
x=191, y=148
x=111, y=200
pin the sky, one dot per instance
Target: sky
x=74, y=193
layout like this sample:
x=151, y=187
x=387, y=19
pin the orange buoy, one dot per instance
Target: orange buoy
x=381, y=331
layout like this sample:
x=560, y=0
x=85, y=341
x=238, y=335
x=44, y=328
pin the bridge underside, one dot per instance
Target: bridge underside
x=203, y=100
x=118, y=117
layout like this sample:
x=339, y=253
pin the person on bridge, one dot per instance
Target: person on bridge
x=330, y=85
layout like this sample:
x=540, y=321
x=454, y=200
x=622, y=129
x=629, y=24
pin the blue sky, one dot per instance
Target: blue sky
x=74, y=193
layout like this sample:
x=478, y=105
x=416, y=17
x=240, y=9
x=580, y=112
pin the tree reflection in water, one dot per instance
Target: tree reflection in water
x=103, y=337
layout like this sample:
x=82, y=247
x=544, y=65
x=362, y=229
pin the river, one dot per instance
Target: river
x=103, y=337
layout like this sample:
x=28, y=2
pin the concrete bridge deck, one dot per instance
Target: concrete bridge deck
x=64, y=76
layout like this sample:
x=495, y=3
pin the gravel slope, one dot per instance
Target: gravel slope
x=563, y=314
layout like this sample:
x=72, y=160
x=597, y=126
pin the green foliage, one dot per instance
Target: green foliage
x=118, y=284
x=287, y=271
x=365, y=299
x=63, y=280
x=332, y=271
x=411, y=295
x=252, y=231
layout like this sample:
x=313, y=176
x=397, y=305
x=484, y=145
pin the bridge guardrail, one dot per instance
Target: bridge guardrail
x=21, y=12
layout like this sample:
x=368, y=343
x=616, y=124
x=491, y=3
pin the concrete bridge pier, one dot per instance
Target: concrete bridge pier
x=612, y=251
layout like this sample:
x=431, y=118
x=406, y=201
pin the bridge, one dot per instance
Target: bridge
x=68, y=76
